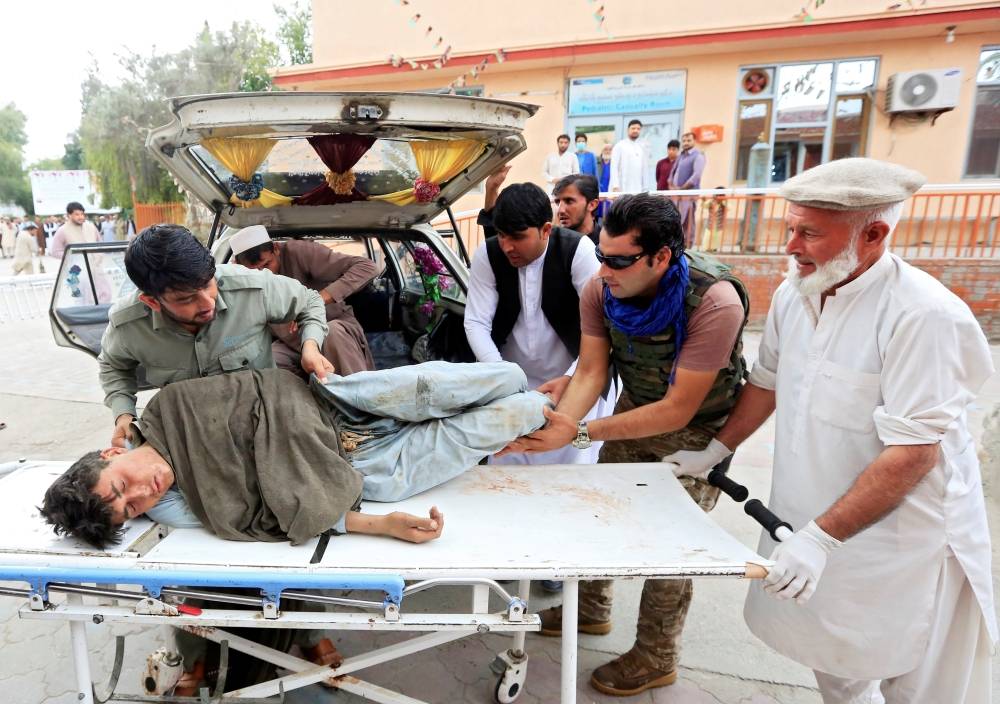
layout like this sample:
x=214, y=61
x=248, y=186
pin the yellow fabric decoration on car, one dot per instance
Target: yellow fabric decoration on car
x=341, y=183
x=243, y=156
x=437, y=162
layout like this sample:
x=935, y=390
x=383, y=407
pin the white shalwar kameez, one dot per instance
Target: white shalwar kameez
x=628, y=167
x=894, y=358
x=533, y=343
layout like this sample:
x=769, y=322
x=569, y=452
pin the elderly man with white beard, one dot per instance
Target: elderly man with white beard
x=885, y=588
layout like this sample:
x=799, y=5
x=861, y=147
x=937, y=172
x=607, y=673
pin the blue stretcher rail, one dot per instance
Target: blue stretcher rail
x=271, y=583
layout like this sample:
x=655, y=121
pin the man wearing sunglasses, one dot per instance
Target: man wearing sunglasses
x=672, y=322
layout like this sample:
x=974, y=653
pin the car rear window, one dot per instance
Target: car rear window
x=293, y=168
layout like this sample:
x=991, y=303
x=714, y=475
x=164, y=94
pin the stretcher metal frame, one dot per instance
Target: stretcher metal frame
x=135, y=584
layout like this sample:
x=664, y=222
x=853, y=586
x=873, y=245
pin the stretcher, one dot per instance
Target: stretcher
x=565, y=522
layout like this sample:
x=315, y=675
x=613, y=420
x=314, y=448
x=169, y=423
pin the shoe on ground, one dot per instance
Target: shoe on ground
x=552, y=586
x=552, y=624
x=627, y=675
x=324, y=653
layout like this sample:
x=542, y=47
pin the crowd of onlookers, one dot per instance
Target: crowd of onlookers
x=623, y=167
x=25, y=238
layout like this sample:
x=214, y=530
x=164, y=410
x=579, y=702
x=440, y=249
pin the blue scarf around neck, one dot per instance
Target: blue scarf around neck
x=665, y=310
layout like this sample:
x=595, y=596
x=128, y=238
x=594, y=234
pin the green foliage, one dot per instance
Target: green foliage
x=46, y=165
x=14, y=186
x=73, y=153
x=117, y=118
x=295, y=32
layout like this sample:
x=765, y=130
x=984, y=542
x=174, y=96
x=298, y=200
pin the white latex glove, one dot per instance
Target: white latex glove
x=799, y=563
x=698, y=463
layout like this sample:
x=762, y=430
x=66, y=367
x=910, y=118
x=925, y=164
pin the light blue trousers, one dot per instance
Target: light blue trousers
x=411, y=428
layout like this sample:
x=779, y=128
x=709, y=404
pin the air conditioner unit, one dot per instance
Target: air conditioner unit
x=932, y=90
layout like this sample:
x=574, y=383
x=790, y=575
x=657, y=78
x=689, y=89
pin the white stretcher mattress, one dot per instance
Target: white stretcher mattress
x=539, y=522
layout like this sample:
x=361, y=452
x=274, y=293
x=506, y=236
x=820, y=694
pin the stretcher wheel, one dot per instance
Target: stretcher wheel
x=506, y=692
x=513, y=671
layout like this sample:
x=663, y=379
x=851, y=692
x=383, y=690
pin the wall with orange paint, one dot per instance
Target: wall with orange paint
x=359, y=33
x=713, y=71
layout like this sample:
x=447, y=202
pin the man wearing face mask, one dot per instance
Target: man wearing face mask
x=869, y=365
x=588, y=164
x=672, y=323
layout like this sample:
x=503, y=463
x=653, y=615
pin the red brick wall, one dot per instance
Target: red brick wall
x=975, y=281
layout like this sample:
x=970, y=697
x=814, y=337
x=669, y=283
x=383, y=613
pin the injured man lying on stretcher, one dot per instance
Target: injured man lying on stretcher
x=258, y=455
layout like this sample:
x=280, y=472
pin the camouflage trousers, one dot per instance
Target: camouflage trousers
x=665, y=602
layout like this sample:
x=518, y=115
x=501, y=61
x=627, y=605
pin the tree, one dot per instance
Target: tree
x=117, y=118
x=50, y=164
x=14, y=186
x=73, y=153
x=295, y=32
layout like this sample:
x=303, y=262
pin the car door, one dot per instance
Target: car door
x=91, y=278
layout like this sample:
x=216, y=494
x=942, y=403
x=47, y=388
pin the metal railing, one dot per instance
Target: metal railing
x=25, y=297
x=951, y=221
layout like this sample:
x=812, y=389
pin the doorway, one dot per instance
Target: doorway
x=657, y=130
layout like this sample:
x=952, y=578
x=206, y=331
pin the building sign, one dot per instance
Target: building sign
x=52, y=190
x=627, y=94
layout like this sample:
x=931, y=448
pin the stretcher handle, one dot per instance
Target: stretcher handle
x=772, y=524
x=718, y=478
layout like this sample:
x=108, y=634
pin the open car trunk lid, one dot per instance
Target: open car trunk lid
x=292, y=167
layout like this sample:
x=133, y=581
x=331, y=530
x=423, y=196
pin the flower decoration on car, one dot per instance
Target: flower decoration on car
x=247, y=190
x=342, y=183
x=242, y=156
x=438, y=162
x=425, y=191
x=73, y=281
x=433, y=275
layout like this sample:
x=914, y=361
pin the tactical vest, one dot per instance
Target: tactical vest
x=560, y=301
x=645, y=363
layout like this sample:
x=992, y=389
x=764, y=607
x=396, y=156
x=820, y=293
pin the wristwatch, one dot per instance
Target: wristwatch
x=582, y=440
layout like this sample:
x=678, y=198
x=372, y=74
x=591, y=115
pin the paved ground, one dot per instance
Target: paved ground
x=51, y=403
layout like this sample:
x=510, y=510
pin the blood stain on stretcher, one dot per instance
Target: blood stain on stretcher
x=503, y=485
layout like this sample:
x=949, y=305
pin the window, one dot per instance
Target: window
x=411, y=273
x=808, y=113
x=984, y=145
x=754, y=126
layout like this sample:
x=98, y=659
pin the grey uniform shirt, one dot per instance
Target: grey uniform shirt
x=238, y=337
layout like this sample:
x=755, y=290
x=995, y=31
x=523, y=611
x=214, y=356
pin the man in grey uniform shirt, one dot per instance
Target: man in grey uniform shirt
x=190, y=318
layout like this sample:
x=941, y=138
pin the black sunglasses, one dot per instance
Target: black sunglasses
x=618, y=261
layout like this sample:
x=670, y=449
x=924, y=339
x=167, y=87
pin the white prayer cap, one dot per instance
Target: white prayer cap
x=248, y=238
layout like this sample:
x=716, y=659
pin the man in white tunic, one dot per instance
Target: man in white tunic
x=885, y=588
x=524, y=306
x=560, y=164
x=628, y=162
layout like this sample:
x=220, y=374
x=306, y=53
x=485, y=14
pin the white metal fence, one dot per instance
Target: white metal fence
x=24, y=297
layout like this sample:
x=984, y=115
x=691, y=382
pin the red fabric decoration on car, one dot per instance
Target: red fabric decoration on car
x=340, y=152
